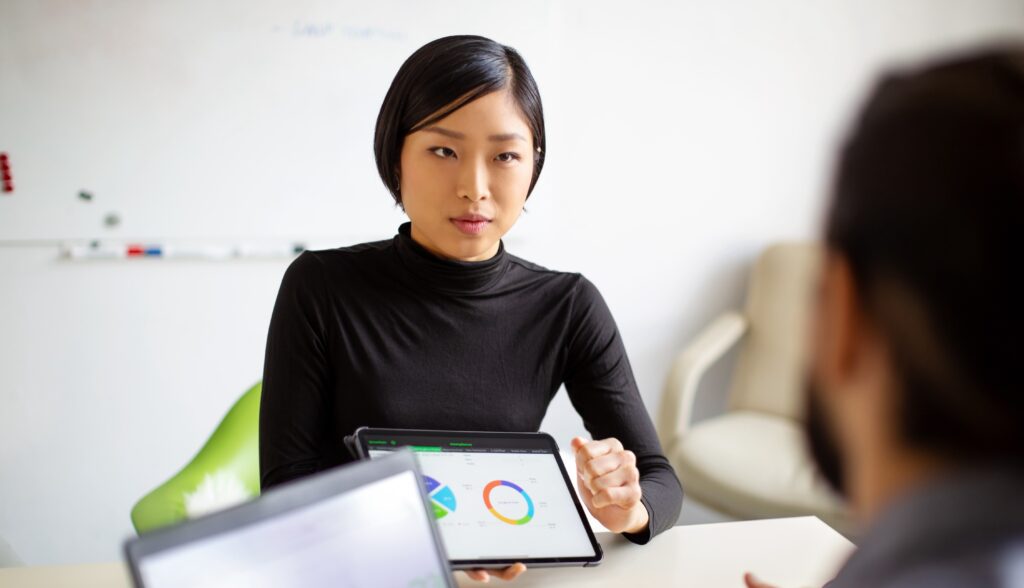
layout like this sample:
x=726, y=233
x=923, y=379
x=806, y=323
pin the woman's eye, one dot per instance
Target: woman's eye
x=508, y=157
x=443, y=152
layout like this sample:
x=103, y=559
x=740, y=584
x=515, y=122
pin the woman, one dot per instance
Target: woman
x=440, y=327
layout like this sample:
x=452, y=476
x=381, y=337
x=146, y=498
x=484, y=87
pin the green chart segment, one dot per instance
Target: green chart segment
x=441, y=497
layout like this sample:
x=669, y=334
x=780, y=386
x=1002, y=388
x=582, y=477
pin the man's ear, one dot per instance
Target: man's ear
x=840, y=319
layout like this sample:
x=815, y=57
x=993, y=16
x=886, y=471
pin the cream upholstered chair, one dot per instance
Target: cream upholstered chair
x=751, y=462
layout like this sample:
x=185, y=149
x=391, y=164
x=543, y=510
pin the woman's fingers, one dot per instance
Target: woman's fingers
x=607, y=473
x=583, y=486
x=622, y=476
x=606, y=464
x=622, y=496
x=588, y=450
x=609, y=483
x=752, y=581
x=509, y=573
x=614, y=469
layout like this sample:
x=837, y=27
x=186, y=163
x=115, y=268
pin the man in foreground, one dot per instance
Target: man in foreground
x=916, y=402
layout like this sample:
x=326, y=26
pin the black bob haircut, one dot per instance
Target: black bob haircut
x=441, y=77
x=928, y=211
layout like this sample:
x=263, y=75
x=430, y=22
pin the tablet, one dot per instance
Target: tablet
x=497, y=498
x=346, y=526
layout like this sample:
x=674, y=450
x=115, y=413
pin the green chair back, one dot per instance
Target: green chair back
x=230, y=458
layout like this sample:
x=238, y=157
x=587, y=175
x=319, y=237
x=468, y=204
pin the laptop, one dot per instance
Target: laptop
x=364, y=524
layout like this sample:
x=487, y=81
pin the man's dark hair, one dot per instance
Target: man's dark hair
x=928, y=210
x=441, y=77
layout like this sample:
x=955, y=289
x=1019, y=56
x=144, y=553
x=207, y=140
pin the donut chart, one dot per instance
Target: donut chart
x=487, y=501
x=441, y=497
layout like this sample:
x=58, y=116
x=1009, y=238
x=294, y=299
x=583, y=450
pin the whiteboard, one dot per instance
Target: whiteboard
x=216, y=120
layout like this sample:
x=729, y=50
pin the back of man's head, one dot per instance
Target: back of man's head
x=928, y=212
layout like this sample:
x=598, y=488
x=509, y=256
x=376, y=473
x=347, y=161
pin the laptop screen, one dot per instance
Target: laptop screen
x=373, y=535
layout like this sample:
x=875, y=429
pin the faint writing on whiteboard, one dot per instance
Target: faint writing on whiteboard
x=315, y=29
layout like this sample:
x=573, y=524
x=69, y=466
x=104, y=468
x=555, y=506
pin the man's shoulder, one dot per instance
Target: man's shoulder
x=999, y=566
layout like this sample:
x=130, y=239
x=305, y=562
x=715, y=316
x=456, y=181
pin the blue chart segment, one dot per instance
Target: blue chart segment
x=441, y=497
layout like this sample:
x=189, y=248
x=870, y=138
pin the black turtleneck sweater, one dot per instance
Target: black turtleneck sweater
x=386, y=334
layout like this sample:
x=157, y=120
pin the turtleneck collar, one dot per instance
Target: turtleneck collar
x=447, y=275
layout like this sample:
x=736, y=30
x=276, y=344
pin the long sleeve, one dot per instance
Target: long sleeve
x=296, y=377
x=602, y=388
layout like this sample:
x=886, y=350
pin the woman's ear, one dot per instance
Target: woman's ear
x=398, y=187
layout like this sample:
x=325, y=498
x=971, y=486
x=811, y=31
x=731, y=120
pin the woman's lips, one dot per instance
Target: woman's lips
x=471, y=224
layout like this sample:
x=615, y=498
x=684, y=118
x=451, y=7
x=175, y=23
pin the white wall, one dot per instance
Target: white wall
x=683, y=137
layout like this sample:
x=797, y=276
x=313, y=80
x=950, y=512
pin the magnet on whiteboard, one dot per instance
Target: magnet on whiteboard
x=112, y=220
x=5, y=173
x=87, y=196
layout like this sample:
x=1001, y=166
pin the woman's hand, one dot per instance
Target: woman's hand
x=609, y=484
x=751, y=581
x=509, y=573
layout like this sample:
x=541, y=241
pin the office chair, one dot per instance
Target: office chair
x=226, y=471
x=752, y=462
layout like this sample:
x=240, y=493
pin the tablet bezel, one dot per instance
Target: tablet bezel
x=358, y=444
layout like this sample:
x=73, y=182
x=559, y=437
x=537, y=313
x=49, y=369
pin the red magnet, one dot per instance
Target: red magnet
x=5, y=171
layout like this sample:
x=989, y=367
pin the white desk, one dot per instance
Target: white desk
x=790, y=553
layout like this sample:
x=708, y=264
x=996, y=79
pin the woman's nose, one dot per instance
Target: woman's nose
x=473, y=182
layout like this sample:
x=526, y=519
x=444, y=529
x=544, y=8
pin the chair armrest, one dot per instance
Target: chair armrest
x=687, y=370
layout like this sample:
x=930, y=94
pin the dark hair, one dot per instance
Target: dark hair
x=928, y=210
x=441, y=77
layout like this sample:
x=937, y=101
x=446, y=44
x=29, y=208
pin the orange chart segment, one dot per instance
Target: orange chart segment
x=487, y=502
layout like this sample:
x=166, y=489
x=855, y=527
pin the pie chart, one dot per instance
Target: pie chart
x=441, y=497
x=523, y=498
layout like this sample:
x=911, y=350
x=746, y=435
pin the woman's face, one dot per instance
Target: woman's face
x=464, y=179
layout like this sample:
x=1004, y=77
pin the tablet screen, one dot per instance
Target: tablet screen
x=496, y=498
